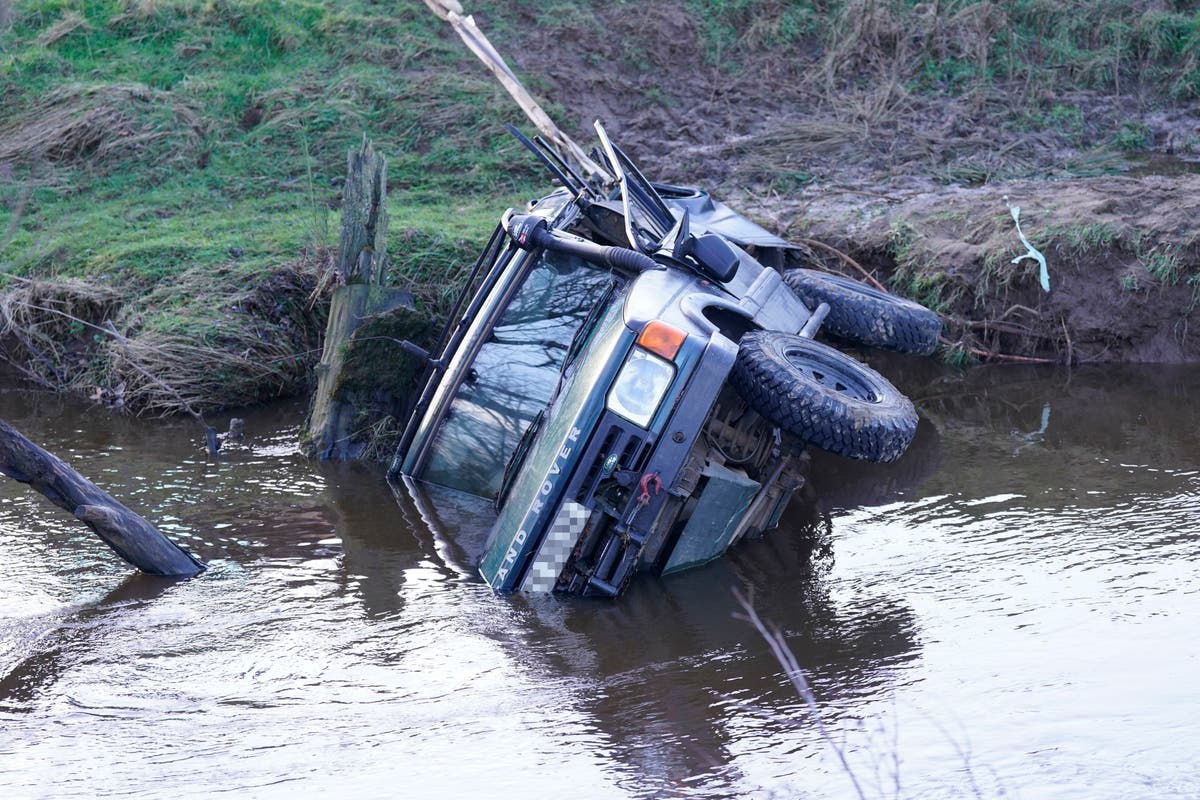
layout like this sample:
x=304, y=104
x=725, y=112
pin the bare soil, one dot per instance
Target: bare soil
x=914, y=189
x=1120, y=253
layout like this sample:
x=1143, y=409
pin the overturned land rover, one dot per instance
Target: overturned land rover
x=633, y=381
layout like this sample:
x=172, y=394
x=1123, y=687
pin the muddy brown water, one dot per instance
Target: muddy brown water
x=1008, y=611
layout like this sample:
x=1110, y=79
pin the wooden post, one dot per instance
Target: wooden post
x=451, y=11
x=362, y=251
x=128, y=534
x=361, y=268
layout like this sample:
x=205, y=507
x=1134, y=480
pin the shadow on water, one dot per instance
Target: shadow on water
x=1049, y=431
x=341, y=610
x=1161, y=164
x=670, y=642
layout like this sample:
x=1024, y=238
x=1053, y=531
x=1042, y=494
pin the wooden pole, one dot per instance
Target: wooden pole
x=362, y=249
x=468, y=31
x=362, y=263
x=127, y=533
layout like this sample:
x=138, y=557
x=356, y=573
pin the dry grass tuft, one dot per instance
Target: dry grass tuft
x=260, y=343
x=66, y=25
x=164, y=373
x=786, y=149
x=876, y=47
x=101, y=122
x=43, y=322
x=141, y=9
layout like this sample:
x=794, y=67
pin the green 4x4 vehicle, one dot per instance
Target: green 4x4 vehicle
x=632, y=379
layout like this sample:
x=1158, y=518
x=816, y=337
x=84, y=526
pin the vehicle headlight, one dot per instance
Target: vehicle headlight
x=640, y=387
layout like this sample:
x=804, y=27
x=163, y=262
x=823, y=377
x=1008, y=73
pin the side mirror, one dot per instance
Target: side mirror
x=715, y=257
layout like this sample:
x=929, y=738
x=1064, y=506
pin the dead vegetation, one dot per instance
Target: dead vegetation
x=70, y=22
x=861, y=104
x=872, y=91
x=39, y=318
x=101, y=123
x=88, y=339
x=1123, y=256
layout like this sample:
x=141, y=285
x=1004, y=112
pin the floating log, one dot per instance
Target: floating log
x=127, y=533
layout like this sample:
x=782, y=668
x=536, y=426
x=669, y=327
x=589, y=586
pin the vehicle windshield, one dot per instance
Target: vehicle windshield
x=514, y=374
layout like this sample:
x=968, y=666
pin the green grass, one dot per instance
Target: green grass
x=917, y=276
x=146, y=144
x=1076, y=239
x=189, y=154
x=252, y=104
x=242, y=146
x=1163, y=264
x=730, y=29
x=959, y=46
x=1133, y=137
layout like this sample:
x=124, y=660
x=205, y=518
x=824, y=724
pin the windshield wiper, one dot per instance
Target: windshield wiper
x=585, y=330
x=518, y=456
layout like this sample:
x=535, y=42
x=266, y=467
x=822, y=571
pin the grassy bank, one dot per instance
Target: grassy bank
x=180, y=158
x=171, y=168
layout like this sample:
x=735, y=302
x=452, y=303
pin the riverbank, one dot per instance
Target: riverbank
x=1122, y=255
x=170, y=172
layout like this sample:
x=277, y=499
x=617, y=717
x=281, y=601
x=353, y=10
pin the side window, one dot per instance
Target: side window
x=514, y=374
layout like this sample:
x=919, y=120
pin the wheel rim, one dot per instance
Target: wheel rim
x=831, y=375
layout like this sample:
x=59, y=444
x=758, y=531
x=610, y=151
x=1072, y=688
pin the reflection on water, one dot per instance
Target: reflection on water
x=1160, y=164
x=1009, y=608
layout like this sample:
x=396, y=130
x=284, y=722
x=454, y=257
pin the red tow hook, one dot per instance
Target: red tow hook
x=649, y=480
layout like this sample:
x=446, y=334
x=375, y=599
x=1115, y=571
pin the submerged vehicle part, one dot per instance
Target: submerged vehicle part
x=630, y=379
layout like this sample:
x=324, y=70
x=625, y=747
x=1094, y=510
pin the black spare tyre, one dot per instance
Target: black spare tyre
x=823, y=396
x=866, y=315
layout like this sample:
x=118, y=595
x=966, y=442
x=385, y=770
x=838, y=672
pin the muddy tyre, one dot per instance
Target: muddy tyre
x=823, y=396
x=865, y=315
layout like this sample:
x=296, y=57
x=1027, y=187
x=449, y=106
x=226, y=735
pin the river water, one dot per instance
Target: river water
x=1010, y=610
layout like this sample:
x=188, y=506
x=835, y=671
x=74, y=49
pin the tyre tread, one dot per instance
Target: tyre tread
x=864, y=315
x=836, y=422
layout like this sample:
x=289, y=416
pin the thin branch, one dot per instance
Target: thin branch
x=990, y=354
x=783, y=654
x=831, y=249
x=1067, y=334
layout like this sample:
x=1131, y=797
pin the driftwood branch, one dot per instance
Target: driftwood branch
x=831, y=249
x=127, y=533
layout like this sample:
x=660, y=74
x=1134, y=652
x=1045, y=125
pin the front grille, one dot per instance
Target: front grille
x=633, y=456
x=630, y=446
x=591, y=475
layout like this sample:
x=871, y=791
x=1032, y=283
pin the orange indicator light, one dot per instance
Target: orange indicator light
x=661, y=339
